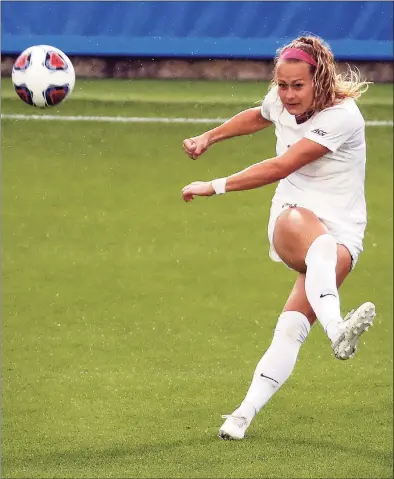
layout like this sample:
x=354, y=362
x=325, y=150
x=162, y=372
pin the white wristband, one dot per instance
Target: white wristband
x=219, y=185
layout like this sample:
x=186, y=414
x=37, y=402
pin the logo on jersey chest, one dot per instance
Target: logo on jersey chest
x=319, y=132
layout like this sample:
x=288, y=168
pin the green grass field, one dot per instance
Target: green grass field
x=132, y=321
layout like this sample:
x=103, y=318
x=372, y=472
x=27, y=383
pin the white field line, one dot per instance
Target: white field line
x=138, y=119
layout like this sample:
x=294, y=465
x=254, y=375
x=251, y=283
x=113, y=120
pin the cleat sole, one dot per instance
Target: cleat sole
x=346, y=347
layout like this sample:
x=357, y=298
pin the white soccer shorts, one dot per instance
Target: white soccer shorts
x=349, y=234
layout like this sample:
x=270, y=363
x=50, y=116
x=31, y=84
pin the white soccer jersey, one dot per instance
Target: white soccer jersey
x=333, y=185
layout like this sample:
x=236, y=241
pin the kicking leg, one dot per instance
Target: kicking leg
x=298, y=300
x=303, y=243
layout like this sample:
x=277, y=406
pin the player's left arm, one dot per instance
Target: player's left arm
x=303, y=152
x=263, y=173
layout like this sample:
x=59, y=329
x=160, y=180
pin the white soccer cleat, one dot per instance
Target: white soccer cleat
x=234, y=427
x=354, y=324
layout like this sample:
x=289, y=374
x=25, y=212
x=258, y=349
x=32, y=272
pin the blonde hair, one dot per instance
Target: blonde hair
x=330, y=87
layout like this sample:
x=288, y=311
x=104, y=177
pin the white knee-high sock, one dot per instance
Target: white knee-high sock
x=321, y=283
x=277, y=363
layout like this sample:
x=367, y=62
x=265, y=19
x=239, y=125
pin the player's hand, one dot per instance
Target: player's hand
x=195, y=147
x=197, y=188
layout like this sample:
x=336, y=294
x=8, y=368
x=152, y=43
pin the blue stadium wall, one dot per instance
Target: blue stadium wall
x=200, y=29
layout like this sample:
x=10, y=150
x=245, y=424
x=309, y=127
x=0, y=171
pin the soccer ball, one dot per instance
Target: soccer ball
x=43, y=76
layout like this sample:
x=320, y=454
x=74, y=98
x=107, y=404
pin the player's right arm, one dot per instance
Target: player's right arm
x=244, y=123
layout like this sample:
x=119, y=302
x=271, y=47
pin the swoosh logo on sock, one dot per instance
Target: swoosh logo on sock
x=264, y=376
x=328, y=294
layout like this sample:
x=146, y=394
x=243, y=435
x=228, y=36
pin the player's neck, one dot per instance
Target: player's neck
x=303, y=117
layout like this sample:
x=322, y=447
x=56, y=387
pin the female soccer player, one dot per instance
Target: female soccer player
x=318, y=213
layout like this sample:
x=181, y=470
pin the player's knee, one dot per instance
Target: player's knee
x=292, y=325
x=323, y=247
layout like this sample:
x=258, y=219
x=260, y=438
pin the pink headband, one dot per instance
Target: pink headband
x=297, y=54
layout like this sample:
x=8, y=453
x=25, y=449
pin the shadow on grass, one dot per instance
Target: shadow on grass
x=270, y=447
